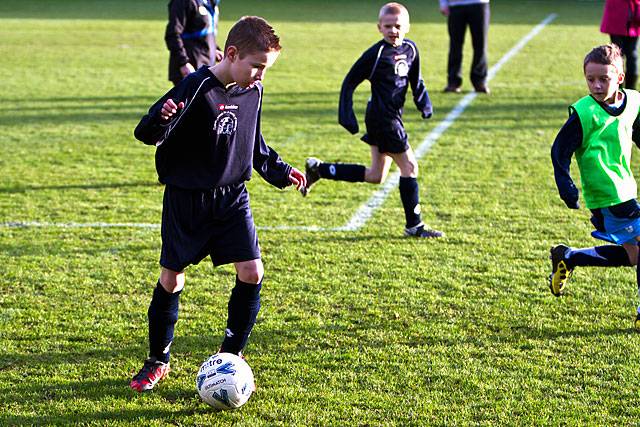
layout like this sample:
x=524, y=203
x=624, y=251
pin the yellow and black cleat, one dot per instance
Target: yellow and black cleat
x=560, y=272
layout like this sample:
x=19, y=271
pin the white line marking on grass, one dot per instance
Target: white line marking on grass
x=366, y=211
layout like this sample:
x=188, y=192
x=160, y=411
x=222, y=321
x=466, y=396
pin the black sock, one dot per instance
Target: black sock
x=598, y=256
x=163, y=315
x=342, y=172
x=243, y=309
x=638, y=281
x=410, y=196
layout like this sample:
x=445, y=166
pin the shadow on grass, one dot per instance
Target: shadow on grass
x=70, y=102
x=335, y=236
x=330, y=11
x=142, y=415
x=94, y=186
x=531, y=333
x=193, y=350
x=318, y=107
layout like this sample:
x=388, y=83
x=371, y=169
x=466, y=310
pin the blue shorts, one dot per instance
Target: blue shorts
x=199, y=223
x=617, y=224
x=389, y=138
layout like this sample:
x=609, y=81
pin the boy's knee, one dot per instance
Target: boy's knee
x=171, y=281
x=632, y=253
x=250, y=276
x=251, y=272
x=376, y=178
x=410, y=170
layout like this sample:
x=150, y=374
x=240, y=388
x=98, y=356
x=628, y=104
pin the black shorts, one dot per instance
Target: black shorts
x=390, y=138
x=216, y=222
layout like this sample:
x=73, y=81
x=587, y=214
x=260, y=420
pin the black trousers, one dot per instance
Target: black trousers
x=629, y=47
x=476, y=17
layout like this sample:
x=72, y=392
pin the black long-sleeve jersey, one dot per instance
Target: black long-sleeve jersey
x=191, y=34
x=390, y=70
x=568, y=140
x=213, y=141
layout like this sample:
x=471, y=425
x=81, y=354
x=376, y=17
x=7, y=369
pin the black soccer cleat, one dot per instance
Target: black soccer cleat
x=560, y=272
x=421, y=231
x=312, y=172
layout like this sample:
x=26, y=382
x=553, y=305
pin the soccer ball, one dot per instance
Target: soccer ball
x=225, y=381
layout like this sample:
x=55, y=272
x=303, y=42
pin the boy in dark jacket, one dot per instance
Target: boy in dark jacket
x=391, y=65
x=208, y=139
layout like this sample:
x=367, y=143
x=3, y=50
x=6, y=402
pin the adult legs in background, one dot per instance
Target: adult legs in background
x=629, y=47
x=457, y=25
x=478, y=16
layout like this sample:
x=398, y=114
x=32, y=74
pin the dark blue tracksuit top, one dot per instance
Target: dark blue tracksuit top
x=215, y=140
x=390, y=70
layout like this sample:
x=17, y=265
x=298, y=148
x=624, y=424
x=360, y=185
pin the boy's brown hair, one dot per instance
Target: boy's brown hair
x=608, y=54
x=393, y=8
x=252, y=34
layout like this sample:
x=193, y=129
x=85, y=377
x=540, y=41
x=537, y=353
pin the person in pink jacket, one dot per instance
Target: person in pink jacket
x=621, y=20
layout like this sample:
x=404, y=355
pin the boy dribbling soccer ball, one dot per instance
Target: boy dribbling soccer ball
x=208, y=139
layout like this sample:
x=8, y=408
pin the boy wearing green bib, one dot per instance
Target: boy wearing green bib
x=600, y=132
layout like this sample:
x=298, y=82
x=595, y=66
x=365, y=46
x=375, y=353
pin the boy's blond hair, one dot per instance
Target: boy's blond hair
x=393, y=8
x=608, y=54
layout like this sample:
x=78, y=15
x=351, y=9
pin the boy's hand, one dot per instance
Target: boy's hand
x=169, y=108
x=297, y=178
x=571, y=204
x=187, y=69
x=351, y=126
x=444, y=10
x=219, y=55
x=571, y=201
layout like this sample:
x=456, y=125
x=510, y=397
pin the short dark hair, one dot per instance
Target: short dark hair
x=252, y=34
x=608, y=54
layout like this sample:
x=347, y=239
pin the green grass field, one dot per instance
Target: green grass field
x=357, y=328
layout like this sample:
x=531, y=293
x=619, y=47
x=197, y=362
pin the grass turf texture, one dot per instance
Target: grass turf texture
x=363, y=328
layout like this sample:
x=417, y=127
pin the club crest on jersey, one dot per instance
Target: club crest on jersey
x=402, y=68
x=227, y=121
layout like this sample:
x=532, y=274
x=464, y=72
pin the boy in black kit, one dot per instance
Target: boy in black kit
x=390, y=65
x=208, y=138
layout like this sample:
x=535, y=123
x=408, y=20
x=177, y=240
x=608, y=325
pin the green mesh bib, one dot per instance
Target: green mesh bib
x=604, y=158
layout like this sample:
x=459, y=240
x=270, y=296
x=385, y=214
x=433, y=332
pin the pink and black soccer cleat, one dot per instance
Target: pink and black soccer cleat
x=151, y=373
